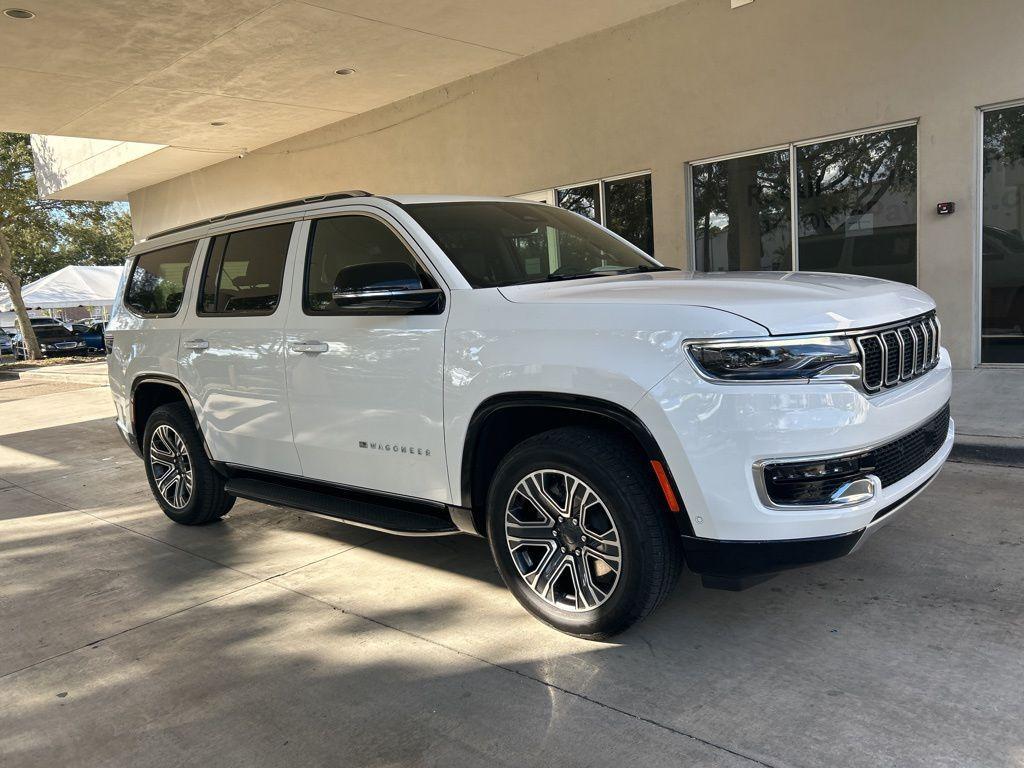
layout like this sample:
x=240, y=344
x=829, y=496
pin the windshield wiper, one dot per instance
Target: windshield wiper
x=611, y=272
x=646, y=268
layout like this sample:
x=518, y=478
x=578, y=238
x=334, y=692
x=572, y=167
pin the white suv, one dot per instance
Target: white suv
x=434, y=365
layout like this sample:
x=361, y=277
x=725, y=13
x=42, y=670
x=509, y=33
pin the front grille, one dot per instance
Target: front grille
x=902, y=457
x=813, y=481
x=900, y=353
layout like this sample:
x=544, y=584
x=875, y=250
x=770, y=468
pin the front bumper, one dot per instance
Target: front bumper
x=713, y=436
x=736, y=564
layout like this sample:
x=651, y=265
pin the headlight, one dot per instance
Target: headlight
x=776, y=359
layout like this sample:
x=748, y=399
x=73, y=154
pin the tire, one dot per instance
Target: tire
x=614, y=505
x=178, y=448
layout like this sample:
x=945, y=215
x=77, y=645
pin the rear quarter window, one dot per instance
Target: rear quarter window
x=156, y=285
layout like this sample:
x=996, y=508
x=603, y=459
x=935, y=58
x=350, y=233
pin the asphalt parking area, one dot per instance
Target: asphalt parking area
x=277, y=638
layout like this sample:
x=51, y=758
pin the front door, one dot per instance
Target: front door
x=365, y=349
x=231, y=353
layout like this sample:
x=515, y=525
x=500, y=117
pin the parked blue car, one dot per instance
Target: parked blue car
x=92, y=335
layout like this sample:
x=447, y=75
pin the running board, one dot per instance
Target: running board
x=326, y=501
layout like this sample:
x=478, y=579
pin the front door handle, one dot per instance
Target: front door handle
x=196, y=344
x=312, y=347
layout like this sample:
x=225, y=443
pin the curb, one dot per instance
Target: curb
x=96, y=380
x=981, y=449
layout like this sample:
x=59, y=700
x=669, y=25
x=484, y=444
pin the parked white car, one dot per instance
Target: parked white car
x=433, y=365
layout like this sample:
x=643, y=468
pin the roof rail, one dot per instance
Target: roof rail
x=261, y=209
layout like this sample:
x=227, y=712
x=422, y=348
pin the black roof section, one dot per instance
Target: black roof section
x=262, y=209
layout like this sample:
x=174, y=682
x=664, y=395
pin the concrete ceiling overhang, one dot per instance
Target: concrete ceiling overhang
x=164, y=73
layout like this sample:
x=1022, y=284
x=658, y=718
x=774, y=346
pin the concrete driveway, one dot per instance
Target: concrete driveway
x=277, y=638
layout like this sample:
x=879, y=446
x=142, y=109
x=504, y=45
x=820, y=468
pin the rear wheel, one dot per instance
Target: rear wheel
x=579, y=533
x=183, y=481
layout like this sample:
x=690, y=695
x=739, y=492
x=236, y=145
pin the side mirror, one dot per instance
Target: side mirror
x=419, y=301
x=388, y=287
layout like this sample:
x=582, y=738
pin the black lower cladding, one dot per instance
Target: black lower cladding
x=738, y=559
x=813, y=482
x=741, y=560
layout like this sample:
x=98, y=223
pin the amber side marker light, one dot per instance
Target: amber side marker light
x=666, y=486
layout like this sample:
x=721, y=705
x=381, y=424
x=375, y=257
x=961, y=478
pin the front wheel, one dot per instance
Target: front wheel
x=184, y=483
x=579, y=533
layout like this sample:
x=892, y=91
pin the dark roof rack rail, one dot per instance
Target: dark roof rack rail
x=261, y=209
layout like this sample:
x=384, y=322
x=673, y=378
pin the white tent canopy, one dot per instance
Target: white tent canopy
x=69, y=287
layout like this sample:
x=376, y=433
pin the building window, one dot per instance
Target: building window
x=628, y=210
x=584, y=200
x=855, y=204
x=741, y=213
x=623, y=204
x=1002, y=236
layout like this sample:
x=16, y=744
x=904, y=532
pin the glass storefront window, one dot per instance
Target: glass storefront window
x=741, y=213
x=856, y=208
x=1002, y=241
x=584, y=200
x=629, y=212
x=624, y=205
x=857, y=205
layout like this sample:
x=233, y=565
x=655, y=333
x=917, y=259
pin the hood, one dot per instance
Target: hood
x=783, y=302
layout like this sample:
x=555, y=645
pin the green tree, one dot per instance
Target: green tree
x=39, y=236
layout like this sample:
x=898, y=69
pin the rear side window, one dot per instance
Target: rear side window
x=157, y=282
x=244, y=272
x=356, y=254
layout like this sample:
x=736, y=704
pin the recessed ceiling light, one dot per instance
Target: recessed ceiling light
x=217, y=123
x=18, y=13
x=344, y=71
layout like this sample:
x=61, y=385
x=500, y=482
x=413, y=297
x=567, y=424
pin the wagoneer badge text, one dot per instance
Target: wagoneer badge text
x=393, y=448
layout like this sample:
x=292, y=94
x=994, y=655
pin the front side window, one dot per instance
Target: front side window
x=494, y=243
x=352, y=255
x=244, y=271
x=741, y=213
x=157, y=281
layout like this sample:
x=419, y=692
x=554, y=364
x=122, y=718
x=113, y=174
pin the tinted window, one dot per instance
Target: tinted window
x=354, y=254
x=244, y=271
x=495, y=244
x=741, y=213
x=157, y=281
x=857, y=203
x=629, y=210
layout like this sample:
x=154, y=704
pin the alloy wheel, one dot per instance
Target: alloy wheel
x=172, y=466
x=563, y=540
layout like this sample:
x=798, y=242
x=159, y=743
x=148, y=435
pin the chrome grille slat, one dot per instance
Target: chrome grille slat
x=899, y=353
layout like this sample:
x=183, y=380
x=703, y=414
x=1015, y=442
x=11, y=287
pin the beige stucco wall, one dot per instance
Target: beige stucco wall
x=691, y=82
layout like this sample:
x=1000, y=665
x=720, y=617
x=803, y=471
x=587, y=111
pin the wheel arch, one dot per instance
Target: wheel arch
x=149, y=392
x=502, y=421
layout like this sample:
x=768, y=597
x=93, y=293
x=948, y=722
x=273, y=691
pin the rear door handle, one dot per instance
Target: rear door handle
x=196, y=344
x=313, y=347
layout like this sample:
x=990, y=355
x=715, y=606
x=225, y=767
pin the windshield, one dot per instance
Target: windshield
x=496, y=243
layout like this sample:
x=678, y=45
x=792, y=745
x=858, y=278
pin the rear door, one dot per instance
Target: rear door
x=231, y=354
x=365, y=356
